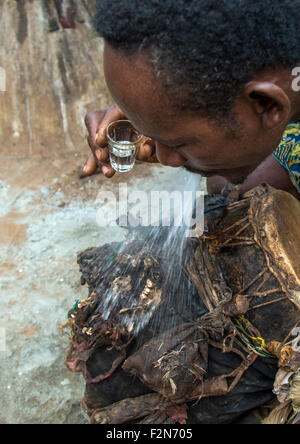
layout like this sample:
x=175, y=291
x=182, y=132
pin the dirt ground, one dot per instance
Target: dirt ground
x=48, y=214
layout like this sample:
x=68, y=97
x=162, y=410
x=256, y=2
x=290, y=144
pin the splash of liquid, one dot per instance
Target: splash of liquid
x=170, y=244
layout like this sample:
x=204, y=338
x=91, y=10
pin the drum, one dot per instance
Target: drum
x=254, y=252
x=170, y=353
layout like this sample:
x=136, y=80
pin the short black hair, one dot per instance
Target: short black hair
x=207, y=49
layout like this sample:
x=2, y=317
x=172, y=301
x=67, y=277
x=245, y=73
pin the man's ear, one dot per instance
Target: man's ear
x=269, y=102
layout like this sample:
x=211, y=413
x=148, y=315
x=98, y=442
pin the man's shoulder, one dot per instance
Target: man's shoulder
x=288, y=152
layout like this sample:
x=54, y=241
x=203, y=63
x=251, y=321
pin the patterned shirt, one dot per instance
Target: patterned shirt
x=288, y=152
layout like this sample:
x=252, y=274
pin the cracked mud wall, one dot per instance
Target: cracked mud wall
x=47, y=214
x=52, y=77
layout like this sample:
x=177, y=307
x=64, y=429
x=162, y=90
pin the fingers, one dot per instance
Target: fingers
x=102, y=154
x=112, y=114
x=90, y=166
x=92, y=121
x=108, y=171
x=96, y=123
x=146, y=150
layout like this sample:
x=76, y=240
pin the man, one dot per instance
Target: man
x=211, y=84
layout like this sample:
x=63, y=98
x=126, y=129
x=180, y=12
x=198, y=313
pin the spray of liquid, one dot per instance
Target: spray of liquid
x=170, y=244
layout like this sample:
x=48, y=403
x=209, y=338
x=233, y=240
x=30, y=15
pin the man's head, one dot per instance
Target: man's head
x=209, y=80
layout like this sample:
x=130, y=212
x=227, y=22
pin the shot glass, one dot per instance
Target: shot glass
x=123, y=141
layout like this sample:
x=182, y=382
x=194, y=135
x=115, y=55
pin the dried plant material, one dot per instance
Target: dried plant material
x=122, y=284
x=230, y=305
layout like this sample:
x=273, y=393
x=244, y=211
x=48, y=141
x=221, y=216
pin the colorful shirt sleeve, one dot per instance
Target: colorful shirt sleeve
x=288, y=152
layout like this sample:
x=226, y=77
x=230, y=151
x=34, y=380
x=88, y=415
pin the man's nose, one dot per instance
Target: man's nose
x=169, y=156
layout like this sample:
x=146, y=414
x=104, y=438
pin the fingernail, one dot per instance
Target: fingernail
x=83, y=172
x=85, y=167
x=108, y=172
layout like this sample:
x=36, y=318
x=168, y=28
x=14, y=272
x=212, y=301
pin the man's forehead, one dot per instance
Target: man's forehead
x=139, y=94
x=134, y=86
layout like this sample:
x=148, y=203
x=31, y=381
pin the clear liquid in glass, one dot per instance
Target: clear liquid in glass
x=122, y=157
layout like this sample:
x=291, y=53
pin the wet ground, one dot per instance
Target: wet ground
x=47, y=215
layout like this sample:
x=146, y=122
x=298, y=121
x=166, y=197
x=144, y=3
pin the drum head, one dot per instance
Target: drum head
x=275, y=217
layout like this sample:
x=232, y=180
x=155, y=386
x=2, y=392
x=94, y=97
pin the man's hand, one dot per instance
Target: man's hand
x=96, y=123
